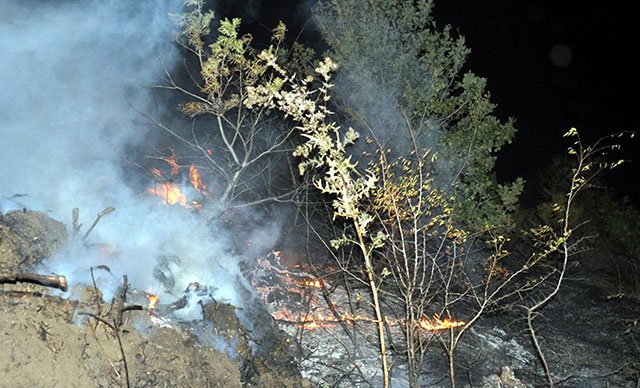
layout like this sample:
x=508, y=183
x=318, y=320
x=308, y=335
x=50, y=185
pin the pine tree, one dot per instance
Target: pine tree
x=400, y=72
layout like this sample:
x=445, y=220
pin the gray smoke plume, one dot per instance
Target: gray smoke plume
x=74, y=75
x=378, y=69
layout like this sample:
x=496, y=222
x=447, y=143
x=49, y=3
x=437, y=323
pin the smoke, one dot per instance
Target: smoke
x=378, y=69
x=74, y=76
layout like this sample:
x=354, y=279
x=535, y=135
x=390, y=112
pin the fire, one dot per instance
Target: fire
x=194, y=177
x=313, y=283
x=173, y=163
x=298, y=285
x=153, y=301
x=438, y=324
x=306, y=321
x=170, y=193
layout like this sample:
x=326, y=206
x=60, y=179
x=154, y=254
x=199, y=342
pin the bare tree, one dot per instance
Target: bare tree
x=588, y=166
x=237, y=145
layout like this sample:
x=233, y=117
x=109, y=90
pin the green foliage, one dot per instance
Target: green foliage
x=237, y=144
x=299, y=59
x=614, y=221
x=399, y=71
x=194, y=25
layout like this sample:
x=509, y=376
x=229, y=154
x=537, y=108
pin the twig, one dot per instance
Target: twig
x=120, y=309
x=98, y=217
x=96, y=293
x=75, y=216
x=536, y=344
x=133, y=307
x=97, y=318
x=117, y=325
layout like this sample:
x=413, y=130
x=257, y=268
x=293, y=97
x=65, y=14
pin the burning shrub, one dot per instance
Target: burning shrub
x=240, y=146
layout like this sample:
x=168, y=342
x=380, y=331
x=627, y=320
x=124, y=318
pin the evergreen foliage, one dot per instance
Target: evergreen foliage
x=399, y=71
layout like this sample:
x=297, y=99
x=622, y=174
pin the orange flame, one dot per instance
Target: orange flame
x=439, y=324
x=313, y=283
x=173, y=163
x=312, y=317
x=194, y=177
x=156, y=171
x=153, y=301
x=170, y=193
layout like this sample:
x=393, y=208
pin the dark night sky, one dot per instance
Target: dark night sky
x=592, y=88
x=511, y=43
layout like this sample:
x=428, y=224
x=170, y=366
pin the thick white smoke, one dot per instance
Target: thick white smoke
x=74, y=75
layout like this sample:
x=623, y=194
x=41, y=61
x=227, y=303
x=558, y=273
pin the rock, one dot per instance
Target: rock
x=507, y=379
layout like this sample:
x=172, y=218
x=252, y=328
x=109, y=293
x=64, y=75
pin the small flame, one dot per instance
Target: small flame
x=153, y=301
x=313, y=283
x=439, y=324
x=156, y=171
x=170, y=193
x=194, y=177
x=173, y=163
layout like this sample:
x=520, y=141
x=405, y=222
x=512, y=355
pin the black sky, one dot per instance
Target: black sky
x=591, y=85
x=511, y=43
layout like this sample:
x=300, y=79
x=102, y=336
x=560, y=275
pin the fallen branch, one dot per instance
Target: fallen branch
x=98, y=319
x=55, y=281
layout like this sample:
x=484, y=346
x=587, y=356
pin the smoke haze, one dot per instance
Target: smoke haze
x=74, y=74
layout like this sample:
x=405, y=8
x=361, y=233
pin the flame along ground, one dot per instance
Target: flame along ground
x=294, y=282
x=301, y=283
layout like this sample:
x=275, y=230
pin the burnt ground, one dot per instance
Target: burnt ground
x=589, y=338
x=590, y=333
x=49, y=341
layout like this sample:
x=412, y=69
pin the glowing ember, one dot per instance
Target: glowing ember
x=314, y=283
x=439, y=324
x=156, y=171
x=170, y=193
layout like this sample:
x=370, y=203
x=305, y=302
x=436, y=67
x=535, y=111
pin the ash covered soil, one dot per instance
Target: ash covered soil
x=43, y=347
x=44, y=343
x=50, y=341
